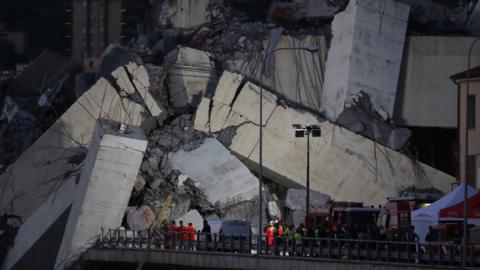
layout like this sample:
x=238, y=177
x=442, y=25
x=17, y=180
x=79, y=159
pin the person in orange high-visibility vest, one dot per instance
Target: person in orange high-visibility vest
x=182, y=231
x=279, y=229
x=172, y=234
x=192, y=232
x=269, y=234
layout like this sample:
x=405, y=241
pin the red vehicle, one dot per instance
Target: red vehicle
x=445, y=235
x=394, y=220
x=319, y=215
x=352, y=216
x=329, y=213
x=474, y=239
x=416, y=201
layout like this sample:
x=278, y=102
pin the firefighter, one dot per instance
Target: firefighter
x=270, y=233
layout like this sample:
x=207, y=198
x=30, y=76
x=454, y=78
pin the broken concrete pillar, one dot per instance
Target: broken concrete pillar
x=70, y=219
x=190, y=73
x=365, y=55
x=340, y=161
x=43, y=166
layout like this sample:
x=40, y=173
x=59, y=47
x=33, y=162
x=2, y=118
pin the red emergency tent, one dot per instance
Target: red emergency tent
x=456, y=211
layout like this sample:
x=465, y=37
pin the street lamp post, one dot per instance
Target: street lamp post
x=465, y=190
x=260, y=150
x=300, y=132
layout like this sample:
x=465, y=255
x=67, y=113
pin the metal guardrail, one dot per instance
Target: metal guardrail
x=353, y=249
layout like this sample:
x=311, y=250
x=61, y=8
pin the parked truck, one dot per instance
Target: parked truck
x=394, y=220
x=353, y=217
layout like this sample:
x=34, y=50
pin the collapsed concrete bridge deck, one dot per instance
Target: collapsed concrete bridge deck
x=344, y=165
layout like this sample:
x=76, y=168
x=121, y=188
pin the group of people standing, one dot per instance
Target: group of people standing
x=276, y=231
x=182, y=232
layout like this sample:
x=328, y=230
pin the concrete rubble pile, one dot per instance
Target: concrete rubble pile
x=190, y=97
x=56, y=154
x=199, y=170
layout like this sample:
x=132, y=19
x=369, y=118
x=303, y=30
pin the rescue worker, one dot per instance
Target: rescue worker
x=295, y=239
x=411, y=236
x=278, y=234
x=172, y=233
x=270, y=234
x=182, y=232
x=207, y=230
x=279, y=229
x=191, y=232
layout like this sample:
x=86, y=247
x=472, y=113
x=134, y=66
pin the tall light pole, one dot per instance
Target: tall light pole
x=260, y=150
x=300, y=132
x=465, y=190
x=260, y=177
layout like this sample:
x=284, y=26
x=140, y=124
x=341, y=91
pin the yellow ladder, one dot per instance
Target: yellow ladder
x=157, y=224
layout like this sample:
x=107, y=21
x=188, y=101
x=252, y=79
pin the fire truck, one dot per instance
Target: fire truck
x=354, y=216
x=394, y=220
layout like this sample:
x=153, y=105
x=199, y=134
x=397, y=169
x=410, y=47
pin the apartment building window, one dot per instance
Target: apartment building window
x=471, y=170
x=471, y=112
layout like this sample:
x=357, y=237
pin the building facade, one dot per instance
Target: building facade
x=469, y=121
x=98, y=23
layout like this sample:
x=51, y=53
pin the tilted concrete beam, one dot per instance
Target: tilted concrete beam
x=69, y=221
x=344, y=165
x=43, y=167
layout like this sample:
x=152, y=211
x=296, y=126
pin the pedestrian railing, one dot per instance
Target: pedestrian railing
x=353, y=249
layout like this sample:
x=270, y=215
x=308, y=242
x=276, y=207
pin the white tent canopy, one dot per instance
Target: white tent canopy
x=425, y=217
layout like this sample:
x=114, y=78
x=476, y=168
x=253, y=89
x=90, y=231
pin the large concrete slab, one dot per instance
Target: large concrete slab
x=219, y=174
x=51, y=159
x=295, y=68
x=96, y=199
x=426, y=96
x=365, y=55
x=190, y=72
x=187, y=15
x=344, y=165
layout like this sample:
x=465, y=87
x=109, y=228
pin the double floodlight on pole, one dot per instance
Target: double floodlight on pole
x=260, y=150
x=300, y=132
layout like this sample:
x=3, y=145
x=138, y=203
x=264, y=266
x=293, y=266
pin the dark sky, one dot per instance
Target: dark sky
x=42, y=20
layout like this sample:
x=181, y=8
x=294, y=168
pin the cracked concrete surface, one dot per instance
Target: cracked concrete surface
x=219, y=174
x=365, y=55
x=341, y=160
x=190, y=73
x=97, y=200
x=43, y=167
